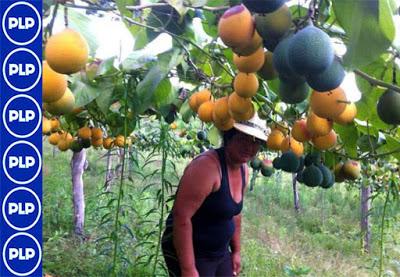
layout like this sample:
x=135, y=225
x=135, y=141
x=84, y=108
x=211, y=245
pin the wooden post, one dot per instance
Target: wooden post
x=295, y=194
x=77, y=168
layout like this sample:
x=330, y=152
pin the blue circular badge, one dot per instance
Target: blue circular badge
x=22, y=254
x=22, y=116
x=22, y=69
x=21, y=209
x=22, y=162
x=21, y=23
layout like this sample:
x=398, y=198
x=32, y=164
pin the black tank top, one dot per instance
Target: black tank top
x=213, y=224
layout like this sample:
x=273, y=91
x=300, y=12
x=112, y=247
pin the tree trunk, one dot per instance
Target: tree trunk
x=77, y=169
x=109, y=173
x=364, y=224
x=295, y=194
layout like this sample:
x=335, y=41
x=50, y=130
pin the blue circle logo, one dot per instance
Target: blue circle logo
x=22, y=254
x=22, y=162
x=22, y=116
x=22, y=69
x=21, y=23
x=21, y=209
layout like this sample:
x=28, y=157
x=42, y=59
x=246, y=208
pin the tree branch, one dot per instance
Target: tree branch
x=375, y=82
x=152, y=5
x=90, y=7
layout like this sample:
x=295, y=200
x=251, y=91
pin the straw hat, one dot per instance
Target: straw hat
x=254, y=127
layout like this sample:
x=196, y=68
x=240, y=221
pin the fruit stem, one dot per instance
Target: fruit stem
x=66, y=16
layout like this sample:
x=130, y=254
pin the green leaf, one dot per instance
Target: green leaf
x=369, y=27
x=164, y=94
x=80, y=23
x=106, y=67
x=104, y=100
x=349, y=137
x=186, y=112
x=195, y=3
x=392, y=144
x=84, y=93
x=178, y=6
x=214, y=136
x=148, y=86
x=137, y=59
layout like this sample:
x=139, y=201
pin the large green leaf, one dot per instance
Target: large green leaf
x=369, y=27
x=137, y=59
x=84, y=92
x=392, y=145
x=349, y=136
x=164, y=94
x=80, y=23
x=104, y=100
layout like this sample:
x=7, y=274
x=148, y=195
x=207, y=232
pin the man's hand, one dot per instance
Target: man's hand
x=236, y=261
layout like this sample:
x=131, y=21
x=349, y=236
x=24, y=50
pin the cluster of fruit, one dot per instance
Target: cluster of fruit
x=263, y=165
x=66, y=52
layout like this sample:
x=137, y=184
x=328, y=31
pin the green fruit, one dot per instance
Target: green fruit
x=299, y=177
x=292, y=93
x=327, y=80
x=277, y=163
x=85, y=143
x=75, y=146
x=267, y=71
x=310, y=51
x=326, y=176
x=289, y=161
x=301, y=164
x=267, y=168
x=263, y=6
x=389, y=107
x=165, y=17
x=281, y=60
x=275, y=24
x=201, y=135
x=331, y=181
x=338, y=173
x=312, y=176
x=255, y=163
x=312, y=158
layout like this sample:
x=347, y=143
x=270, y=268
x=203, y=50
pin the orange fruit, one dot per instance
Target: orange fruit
x=274, y=141
x=239, y=105
x=97, y=133
x=347, y=116
x=318, y=126
x=245, y=84
x=299, y=131
x=325, y=142
x=328, y=104
x=205, y=111
x=85, y=133
x=290, y=143
x=250, y=64
x=53, y=84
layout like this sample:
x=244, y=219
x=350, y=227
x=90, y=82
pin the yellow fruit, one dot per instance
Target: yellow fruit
x=55, y=124
x=65, y=142
x=199, y=98
x=97, y=142
x=274, y=141
x=250, y=64
x=119, y=141
x=46, y=126
x=54, y=84
x=97, y=133
x=243, y=116
x=108, y=143
x=318, y=126
x=281, y=126
x=347, y=116
x=205, y=111
x=62, y=106
x=193, y=102
x=85, y=133
x=351, y=170
x=250, y=47
x=239, y=105
x=328, y=104
x=325, y=142
x=300, y=132
x=224, y=125
x=292, y=144
x=246, y=84
x=236, y=26
x=54, y=138
x=173, y=126
x=221, y=110
x=67, y=52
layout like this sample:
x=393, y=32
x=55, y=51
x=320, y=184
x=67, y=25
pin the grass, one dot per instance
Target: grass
x=323, y=240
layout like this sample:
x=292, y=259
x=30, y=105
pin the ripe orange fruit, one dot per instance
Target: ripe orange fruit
x=67, y=52
x=239, y=105
x=46, y=126
x=199, y=98
x=250, y=64
x=300, y=131
x=54, y=138
x=224, y=125
x=221, y=110
x=347, y=116
x=205, y=111
x=85, y=133
x=318, y=126
x=120, y=141
x=328, y=104
x=245, y=84
x=325, y=142
x=97, y=133
x=250, y=47
x=274, y=141
x=55, y=124
x=63, y=105
x=108, y=143
x=243, y=116
x=54, y=84
x=292, y=144
x=97, y=142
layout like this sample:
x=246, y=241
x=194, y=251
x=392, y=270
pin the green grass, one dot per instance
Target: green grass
x=323, y=240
